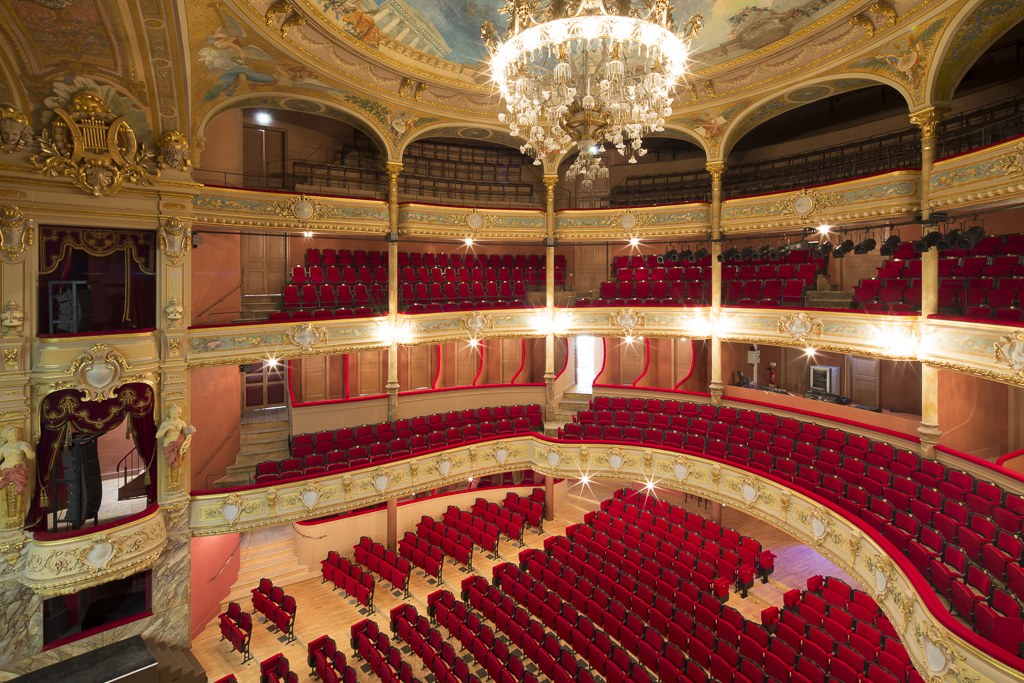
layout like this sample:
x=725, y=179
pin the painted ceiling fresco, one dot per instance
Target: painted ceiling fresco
x=450, y=29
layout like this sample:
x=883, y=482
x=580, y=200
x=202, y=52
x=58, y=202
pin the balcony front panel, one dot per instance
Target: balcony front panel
x=457, y=222
x=993, y=352
x=649, y=221
x=877, y=197
x=249, y=209
x=993, y=173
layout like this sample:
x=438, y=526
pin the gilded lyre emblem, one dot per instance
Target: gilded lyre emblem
x=94, y=147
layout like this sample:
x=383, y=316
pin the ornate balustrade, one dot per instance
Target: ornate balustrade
x=61, y=564
x=993, y=173
x=939, y=645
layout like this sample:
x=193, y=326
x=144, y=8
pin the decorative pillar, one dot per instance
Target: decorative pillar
x=550, y=181
x=928, y=121
x=549, y=497
x=717, y=388
x=716, y=513
x=174, y=275
x=393, y=524
x=19, y=265
x=393, y=169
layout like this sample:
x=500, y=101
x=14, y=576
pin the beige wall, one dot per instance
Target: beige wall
x=973, y=415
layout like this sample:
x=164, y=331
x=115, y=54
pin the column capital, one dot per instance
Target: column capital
x=716, y=169
x=393, y=169
x=928, y=120
x=550, y=181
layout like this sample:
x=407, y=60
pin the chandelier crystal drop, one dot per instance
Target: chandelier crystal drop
x=578, y=73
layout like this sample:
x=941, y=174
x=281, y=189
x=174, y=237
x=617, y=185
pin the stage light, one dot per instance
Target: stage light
x=970, y=238
x=843, y=249
x=801, y=245
x=634, y=241
x=729, y=253
x=927, y=242
x=263, y=118
x=469, y=241
x=823, y=229
x=948, y=241
x=698, y=255
x=889, y=246
x=865, y=246
x=823, y=250
x=743, y=255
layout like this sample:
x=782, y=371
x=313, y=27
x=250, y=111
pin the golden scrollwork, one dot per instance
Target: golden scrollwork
x=854, y=544
x=716, y=169
x=1012, y=163
x=10, y=359
x=928, y=120
x=1010, y=349
x=16, y=232
x=476, y=322
x=864, y=23
x=800, y=326
x=885, y=9
x=750, y=489
x=93, y=147
x=784, y=499
x=98, y=372
x=716, y=475
x=306, y=336
x=172, y=151
x=393, y=169
x=626, y=319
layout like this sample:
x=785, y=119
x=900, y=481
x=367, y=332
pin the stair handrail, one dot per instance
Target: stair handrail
x=217, y=450
x=224, y=566
x=136, y=468
x=241, y=278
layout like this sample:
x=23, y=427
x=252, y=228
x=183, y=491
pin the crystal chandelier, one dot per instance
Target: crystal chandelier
x=576, y=73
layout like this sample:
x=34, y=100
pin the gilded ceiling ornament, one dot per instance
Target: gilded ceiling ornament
x=865, y=23
x=55, y=4
x=293, y=20
x=16, y=232
x=173, y=152
x=175, y=239
x=98, y=372
x=95, y=148
x=405, y=86
x=11, y=359
x=421, y=88
x=800, y=326
x=716, y=169
x=15, y=131
x=1011, y=350
x=626, y=319
x=885, y=9
x=175, y=312
x=278, y=7
x=12, y=318
x=305, y=336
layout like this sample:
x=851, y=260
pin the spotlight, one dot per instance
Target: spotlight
x=843, y=249
x=823, y=250
x=889, y=246
x=948, y=241
x=634, y=241
x=263, y=118
x=927, y=242
x=970, y=239
x=684, y=256
x=783, y=252
x=729, y=253
x=672, y=256
x=469, y=241
x=823, y=229
x=810, y=351
x=865, y=246
x=307, y=233
x=743, y=255
x=761, y=254
x=699, y=255
x=802, y=245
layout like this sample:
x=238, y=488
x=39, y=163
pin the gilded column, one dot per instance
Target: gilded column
x=19, y=265
x=717, y=170
x=550, y=181
x=393, y=169
x=928, y=121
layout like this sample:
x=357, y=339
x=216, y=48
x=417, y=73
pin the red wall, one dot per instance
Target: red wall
x=216, y=409
x=216, y=271
x=973, y=415
x=215, y=564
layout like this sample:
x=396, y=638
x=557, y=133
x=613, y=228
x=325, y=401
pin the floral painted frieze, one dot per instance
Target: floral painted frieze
x=980, y=176
x=254, y=208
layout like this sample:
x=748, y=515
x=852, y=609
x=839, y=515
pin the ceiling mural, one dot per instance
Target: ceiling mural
x=983, y=26
x=450, y=29
x=906, y=58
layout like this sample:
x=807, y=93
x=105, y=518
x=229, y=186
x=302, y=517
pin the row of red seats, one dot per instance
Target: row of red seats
x=351, y=578
x=440, y=276
x=511, y=523
x=236, y=628
x=344, y=257
x=491, y=290
x=972, y=266
x=426, y=643
x=277, y=670
x=332, y=275
x=931, y=511
x=327, y=662
x=383, y=658
x=422, y=554
x=331, y=296
x=454, y=543
x=655, y=290
x=457, y=260
x=321, y=314
x=279, y=609
x=486, y=305
x=386, y=563
x=530, y=508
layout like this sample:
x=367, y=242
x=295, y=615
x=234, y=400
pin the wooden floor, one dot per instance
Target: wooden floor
x=322, y=610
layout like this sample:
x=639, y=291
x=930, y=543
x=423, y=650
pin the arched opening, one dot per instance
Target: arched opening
x=843, y=136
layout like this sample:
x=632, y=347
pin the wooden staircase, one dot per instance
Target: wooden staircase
x=260, y=306
x=570, y=404
x=175, y=664
x=136, y=488
x=274, y=559
x=258, y=441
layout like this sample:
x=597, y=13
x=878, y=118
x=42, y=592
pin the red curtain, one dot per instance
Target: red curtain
x=63, y=411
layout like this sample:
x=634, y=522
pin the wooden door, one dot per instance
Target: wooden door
x=314, y=378
x=420, y=376
x=264, y=264
x=263, y=154
x=263, y=386
x=631, y=362
x=467, y=364
x=864, y=383
x=590, y=266
x=511, y=359
x=370, y=368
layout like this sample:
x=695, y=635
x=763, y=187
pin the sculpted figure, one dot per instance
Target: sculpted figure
x=16, y=477
x=174, y=436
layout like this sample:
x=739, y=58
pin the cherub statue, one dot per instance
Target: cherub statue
x=16, y=477
x=176, y=436
x=15, y=132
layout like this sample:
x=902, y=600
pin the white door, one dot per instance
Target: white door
x=585, y=370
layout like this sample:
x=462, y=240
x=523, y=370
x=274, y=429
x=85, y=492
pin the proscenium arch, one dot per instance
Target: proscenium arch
x=889, y=575
x=735, y=131
x=501, y=135
x=273, y=100
x=958, y=50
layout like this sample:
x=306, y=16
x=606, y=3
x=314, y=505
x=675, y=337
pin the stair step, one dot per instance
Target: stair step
x=256, y=428
x=260, y=450
x=266, y=549
x=250, y=580
x=197, y=670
